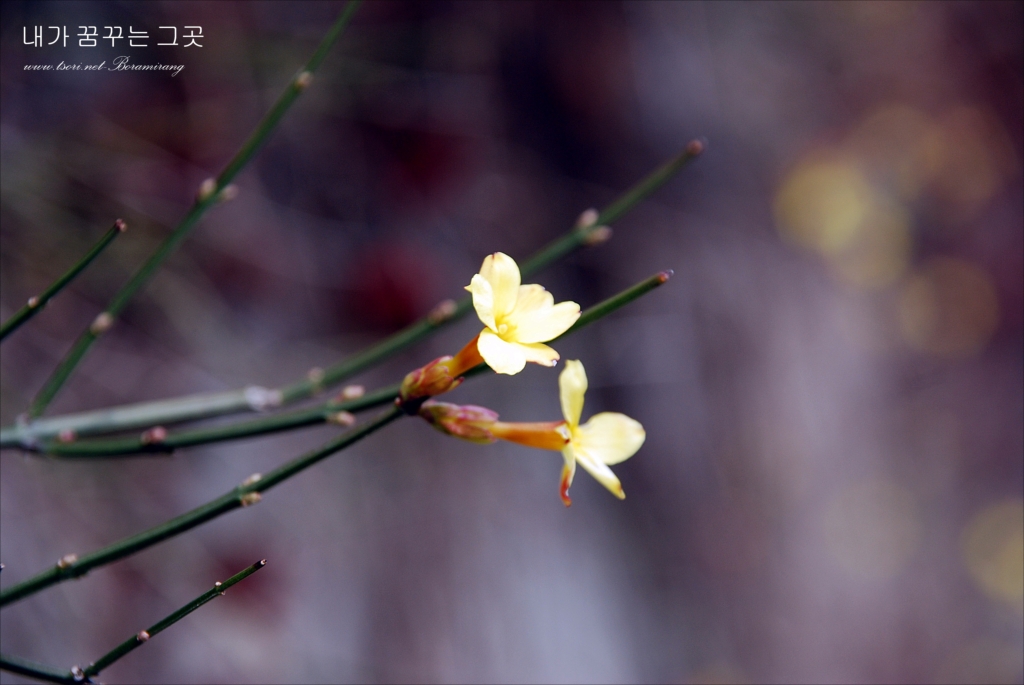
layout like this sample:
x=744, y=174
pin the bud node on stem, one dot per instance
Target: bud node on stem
x=102, y=323
x=206, y=189
x=250, y=498
x=303, y=80
x=66, y=561
x=142, y=636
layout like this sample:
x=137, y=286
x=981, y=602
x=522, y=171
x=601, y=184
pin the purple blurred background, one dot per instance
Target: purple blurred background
x=831, y=384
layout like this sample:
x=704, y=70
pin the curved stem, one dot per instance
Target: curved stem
x=207, y=197
x=35, y=304
x=245, y=494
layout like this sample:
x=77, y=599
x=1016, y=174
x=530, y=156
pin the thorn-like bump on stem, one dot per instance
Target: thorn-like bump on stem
x=121, y=226
x=101, y=324
x=588, y=218
x=230, y=192
x=598, y=235
x=254, y=478
x=259, y=398
x=153, y=436
x=442, y=312
x=353, y=392
x=142, y=636
x=206, y=189
x=66, y=436
x=302, y=80
x=250, y=498
x=695, y=147
x=66, y=561
x=342, y=418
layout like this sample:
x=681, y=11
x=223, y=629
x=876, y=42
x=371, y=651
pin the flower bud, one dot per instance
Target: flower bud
x=461, y=421
x=433, y=379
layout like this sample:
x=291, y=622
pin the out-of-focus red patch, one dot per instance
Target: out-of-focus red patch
x=391, y=286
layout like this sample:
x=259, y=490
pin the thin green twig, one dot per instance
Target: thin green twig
x=333, y=410
x=247, y=493
x=36, y=304
x=166, y=412
x=142, y=636
x=71, y=566
x=31, y=669
x=208, y=195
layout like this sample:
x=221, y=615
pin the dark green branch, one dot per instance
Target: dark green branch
x=72, y=566
x=209, y=194
x=202, y=406
x=139, y=638
x=31, y=669
x=306, y=417
x=35, y=304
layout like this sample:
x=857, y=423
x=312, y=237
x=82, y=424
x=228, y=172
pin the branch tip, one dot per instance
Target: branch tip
x=695, y=147
x=120, y=225
x=665, y=275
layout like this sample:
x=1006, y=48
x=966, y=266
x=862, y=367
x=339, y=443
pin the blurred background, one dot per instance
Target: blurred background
x=831, y=487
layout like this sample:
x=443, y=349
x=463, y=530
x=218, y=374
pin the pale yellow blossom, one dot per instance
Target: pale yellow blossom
x=519, y=319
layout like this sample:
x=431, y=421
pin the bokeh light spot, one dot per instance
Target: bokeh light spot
x=901, y=146
x=949, y=307
x=977, y=163
x=879, y=253
x=872, y=528
x=993, y=547
x=822, y=204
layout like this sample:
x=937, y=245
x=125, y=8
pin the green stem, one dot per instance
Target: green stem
x=207, y=197
x=306, y=417
x=203, y=406
x=138, y=639
x=31, y=669
x=35, y=304
x=245, y=494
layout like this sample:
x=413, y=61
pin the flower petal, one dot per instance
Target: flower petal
x=483, y=300
x=609, y=437
x=503, y=357
x=600, y=472
x=568, y=471
x=539, y=353
x=541, y=325
x=502, y=272
x=572, y=386
x=532, y=297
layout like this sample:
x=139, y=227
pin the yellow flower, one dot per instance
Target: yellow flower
x=518, y=318
x=607, y=438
